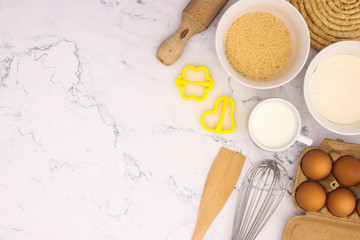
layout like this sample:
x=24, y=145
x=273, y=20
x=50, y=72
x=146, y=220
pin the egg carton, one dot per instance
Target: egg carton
x=322, y=224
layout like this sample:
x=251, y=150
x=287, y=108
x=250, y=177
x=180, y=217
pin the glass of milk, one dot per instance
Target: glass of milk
x=274, y=125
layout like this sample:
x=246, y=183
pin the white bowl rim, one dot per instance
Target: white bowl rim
x=324, y=53
x=283, y=3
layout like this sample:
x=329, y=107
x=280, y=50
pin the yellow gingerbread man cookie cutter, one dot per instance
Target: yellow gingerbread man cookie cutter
x=219, y=127
x=181, y=82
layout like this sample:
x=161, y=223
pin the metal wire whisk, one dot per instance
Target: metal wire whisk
x=260, y=193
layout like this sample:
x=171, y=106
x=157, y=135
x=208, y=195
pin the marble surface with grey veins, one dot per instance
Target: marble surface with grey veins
x=95, y=140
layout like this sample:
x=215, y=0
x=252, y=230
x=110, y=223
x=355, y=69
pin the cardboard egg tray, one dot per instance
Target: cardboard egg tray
x=322, y=224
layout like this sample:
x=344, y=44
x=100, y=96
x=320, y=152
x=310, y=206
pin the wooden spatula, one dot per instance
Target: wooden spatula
x=219, y=184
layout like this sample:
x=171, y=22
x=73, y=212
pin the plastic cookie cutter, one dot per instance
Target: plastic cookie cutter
x=194, y=83
x=220, y=121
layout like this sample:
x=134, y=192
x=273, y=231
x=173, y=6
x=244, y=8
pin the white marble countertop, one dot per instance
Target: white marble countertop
x=95, y=140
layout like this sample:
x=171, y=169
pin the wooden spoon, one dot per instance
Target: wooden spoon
x=219, y=184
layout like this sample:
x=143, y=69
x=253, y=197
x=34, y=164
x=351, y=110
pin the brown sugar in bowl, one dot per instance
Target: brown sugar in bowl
x=258, y=45
x=294, y=23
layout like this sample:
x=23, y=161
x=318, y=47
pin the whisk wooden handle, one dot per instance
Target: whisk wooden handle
x=219, y=184
x=196, y=17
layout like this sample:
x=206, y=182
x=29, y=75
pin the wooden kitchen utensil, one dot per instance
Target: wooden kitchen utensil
x=219, y=184
x=196, y=17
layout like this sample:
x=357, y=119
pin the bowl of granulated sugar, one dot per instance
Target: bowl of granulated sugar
x=262, y=44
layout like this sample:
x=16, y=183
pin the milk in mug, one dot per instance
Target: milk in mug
x=274, y=124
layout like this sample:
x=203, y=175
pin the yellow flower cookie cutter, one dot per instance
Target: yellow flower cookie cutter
x=181, y=82
x=219, y=127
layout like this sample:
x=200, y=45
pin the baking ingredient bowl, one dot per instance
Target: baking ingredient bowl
x=295, y=24
x=344, y=47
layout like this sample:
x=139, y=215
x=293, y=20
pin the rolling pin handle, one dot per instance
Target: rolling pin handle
x=172, y=48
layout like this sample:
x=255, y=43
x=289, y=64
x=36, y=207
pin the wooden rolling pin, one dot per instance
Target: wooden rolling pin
x=219, y=184
x=196, y=17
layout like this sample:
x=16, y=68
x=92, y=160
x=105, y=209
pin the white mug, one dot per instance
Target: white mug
x=274, y=125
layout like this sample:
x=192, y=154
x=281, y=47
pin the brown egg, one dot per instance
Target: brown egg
x=341, y=202
x=316, y=164
x=310, y=196
x=346, y=170
x=358, y=206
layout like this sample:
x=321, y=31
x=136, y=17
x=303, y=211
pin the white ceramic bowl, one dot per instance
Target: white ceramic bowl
x=294, y=22
x=347, y=47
